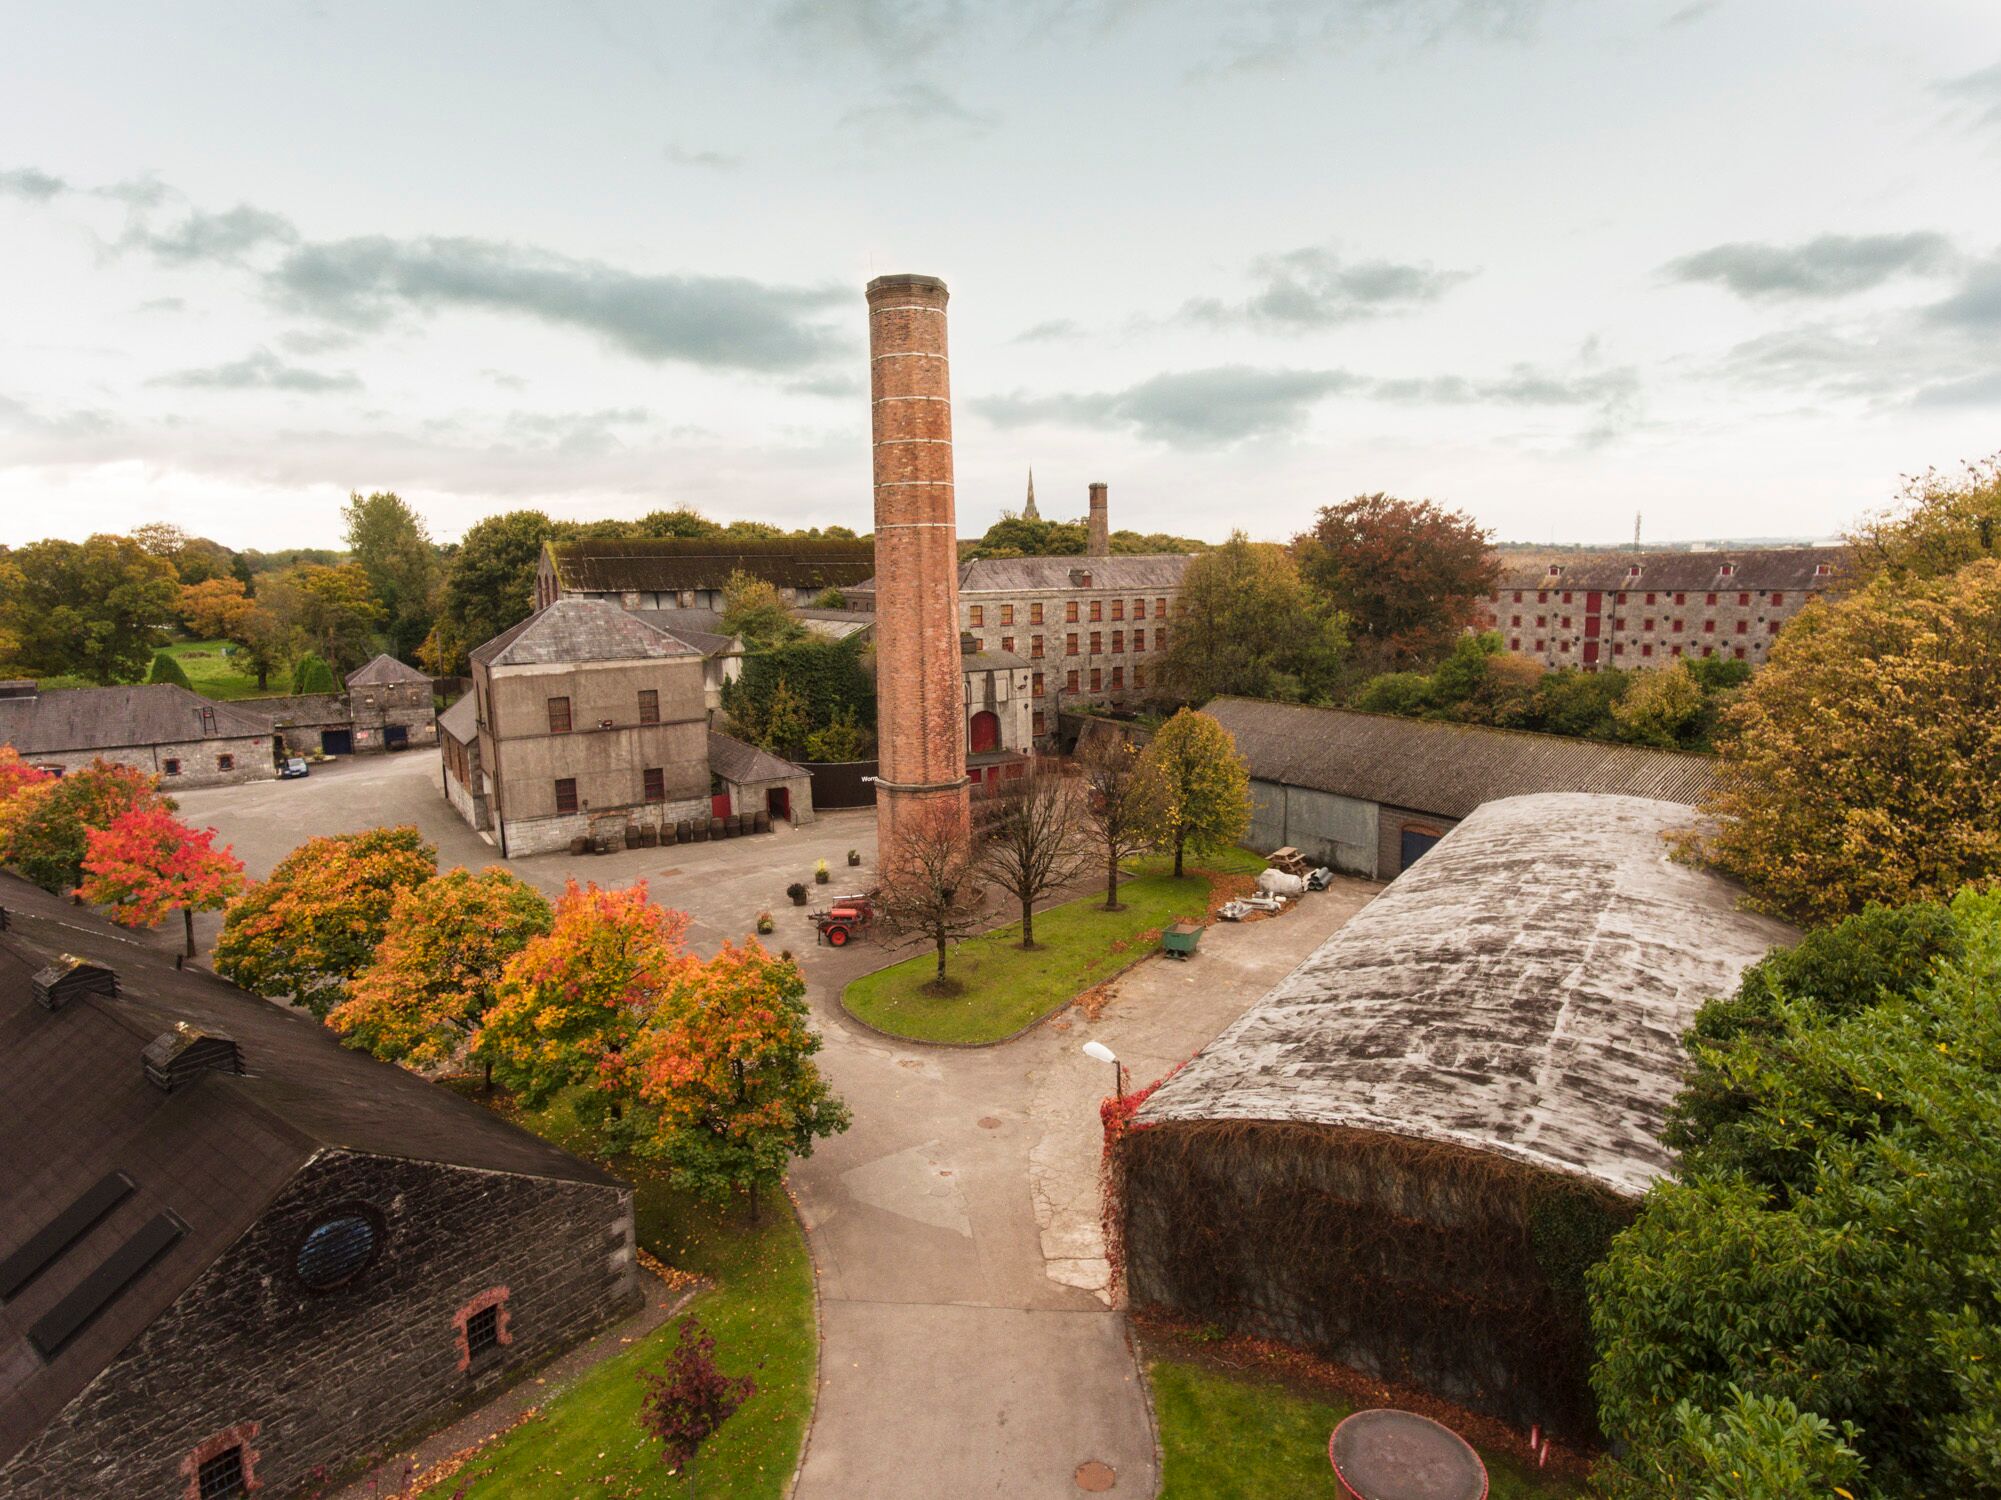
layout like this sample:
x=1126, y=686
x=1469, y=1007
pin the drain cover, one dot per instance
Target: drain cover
x=1094, y=1477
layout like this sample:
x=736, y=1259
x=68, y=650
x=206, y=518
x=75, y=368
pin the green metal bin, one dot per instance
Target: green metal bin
x=1179, y=940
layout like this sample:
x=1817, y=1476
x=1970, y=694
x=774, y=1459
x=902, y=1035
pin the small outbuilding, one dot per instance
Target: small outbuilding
x=159, y=727
x=756, y=781
x=1407, y=1153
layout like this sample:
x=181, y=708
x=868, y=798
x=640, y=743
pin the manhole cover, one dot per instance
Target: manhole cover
x=1095, y=1478
x=988, y=1122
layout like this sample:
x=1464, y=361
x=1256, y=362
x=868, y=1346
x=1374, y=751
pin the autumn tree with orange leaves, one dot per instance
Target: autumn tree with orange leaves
x=438, y=968
x=727, y=1073
x=16, y=775
x=149, y=863
x=573, y=1002
x=45, y=825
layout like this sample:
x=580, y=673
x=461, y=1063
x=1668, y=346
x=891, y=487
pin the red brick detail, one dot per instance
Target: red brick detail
x=493, y=1296
x=230, y=1437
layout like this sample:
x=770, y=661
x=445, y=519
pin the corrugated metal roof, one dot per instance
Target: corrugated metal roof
x=580, y=630
x=1759, y=569
x=155, y=713
x=1447, y=769
x=653, y=564
x=384, y=669
x=1521, y=990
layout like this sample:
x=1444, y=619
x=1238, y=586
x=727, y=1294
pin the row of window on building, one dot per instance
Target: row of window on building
x=559, y=711
x=1073, y=641
x=1619, y=648
x=652, y=788
x=976, y=614
x=1624, y=596
x=1675, y=627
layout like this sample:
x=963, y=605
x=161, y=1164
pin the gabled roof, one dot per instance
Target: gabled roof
x=653, y=564
x=106, y=718
x=461, y=720
x=1758, y=569
x=385, y=669
x=991, y=661
x=1118, y=573
x=1447, y=769
x=700, y=628
x=299, y=708
x=733, y=760
x=213, y=1153
x=577, y=630
x=1521, y=990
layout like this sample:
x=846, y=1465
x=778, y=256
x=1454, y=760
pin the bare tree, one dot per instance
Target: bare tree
x=1113, y=804
x=930, y=883
x=1033, y=843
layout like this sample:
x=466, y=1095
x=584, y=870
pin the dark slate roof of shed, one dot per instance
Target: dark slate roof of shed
x=660, y=563
x=733, y=760
x=1441, y=768
x=1759, y=568
x=215, y=1152
x=383, y=669
x=299, y=708
x=580, y=630
x=1521, y=990
x=106, y=718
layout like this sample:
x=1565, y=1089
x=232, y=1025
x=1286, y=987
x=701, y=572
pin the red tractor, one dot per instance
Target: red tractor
x=841, y=923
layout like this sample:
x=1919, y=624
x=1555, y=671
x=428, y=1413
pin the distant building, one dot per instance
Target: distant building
x=1000, y=706
x=683, y=573
x=1370, y=793
x=387, y=706
x=1636, y=610
x=239, y=1258
x=159, y=728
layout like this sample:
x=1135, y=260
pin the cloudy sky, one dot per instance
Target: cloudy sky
x=1735, y=264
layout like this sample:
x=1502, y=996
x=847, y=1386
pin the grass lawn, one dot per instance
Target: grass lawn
x=1226, y=1437
x=211, y=672
x=1078, y=944
x=585, y=1441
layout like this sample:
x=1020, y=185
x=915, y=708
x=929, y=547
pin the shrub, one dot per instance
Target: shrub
x=166, y=669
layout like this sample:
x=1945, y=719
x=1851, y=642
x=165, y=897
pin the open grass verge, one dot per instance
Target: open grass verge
x=1077, y=945
x=760, y=1308
x=214, y=675
x=1232, y=1437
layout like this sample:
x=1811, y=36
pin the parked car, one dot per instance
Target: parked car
x=294, y=766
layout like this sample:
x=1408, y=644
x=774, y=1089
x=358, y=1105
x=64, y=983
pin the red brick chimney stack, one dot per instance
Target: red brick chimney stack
x=920, y=686
x=1098, y=537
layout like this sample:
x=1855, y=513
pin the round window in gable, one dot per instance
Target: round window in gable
x=337, y=1249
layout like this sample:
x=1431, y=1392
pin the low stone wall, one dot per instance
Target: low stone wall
x=200, y=761
x=553, y=835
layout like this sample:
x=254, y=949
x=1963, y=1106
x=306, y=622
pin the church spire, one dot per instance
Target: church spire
x=1028, y=510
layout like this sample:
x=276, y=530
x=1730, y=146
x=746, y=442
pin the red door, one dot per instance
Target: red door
x=1590, y=654
x=719, y=805
x=986, y=731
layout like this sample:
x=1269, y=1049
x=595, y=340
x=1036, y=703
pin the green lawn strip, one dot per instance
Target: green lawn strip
x=760, y=1309
x=1226, y=1437
x=212, y=674
x=1077, y=945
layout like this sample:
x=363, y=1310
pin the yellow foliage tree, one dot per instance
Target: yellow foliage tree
x=1194, y=787
x=1659, y=704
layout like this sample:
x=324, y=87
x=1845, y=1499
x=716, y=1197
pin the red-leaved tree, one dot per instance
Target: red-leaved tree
x=690, y=1398
x=1408, y=574
x=16, y=775
x=149, y=863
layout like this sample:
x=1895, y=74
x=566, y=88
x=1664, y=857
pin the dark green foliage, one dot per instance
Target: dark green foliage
x=1718, y=674
x=1011, y=536
x=90, y=609
x=1832, y=1240
x=491, y=582
x=1570, y=1228
x=311, y=674
x=831, y=681
x=1755, y=1448
x=166, y=669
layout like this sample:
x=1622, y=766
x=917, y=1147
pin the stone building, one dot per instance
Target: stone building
x=159, y=728
x=1370, y=793
x=1635, y=610
x=1403, y=1154
x=242, y=1258
x=689, y=573
x=388, y=705
x=1000, y=708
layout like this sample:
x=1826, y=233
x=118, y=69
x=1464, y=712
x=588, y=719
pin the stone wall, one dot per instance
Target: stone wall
x=552, y=834
x=1639, y=628
x=327, y=1381
x=200, y=761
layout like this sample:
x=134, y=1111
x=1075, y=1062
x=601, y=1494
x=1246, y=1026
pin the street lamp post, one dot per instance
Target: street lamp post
x=1102, y=1053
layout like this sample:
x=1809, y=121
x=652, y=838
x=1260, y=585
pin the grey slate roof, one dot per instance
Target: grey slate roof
x=579, y=630
x=733, y=760
x=1447, y=769
x=1758, y=569
x=700, y=628
x=1520, y=990
x=1119, y=573
x=214, y=1152
x=991, y=661
x=461, y=720
x=299, y=708
x=384, y=669
x=106, y=718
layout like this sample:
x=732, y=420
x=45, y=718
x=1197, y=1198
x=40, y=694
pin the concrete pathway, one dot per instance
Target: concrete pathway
x=967, y=1344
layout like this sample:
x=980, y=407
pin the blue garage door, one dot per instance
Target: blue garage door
x=341, y=742
x=1415, y=846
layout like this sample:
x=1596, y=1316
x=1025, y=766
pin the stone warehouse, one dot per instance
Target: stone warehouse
x=241, y=1258
x=1370, y=793
x=587, y=717
x=1646, y=609
x=683, y=573
x=1404, y=1155
x=388, y=705
x=159, y=728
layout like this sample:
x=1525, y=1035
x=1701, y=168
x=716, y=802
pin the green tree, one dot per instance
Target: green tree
x=682, y=522
x=1408, y=574
x=307, y=931
x=1246, y=624
x=828, y=681
x=490, y=584
x=92, y=609
x=1942, y=523
x=1659, y=707
x=1863, y=762
x=840, y=740
x=223, y=608
x=332, y=609
x=1194, y=786
x=1755, y=1448
x=757, y=614
x=45, y=826
x=311, y=674
x=167, y=669
x=393, y=550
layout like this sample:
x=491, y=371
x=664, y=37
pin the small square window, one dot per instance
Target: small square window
x=1160, y=609
x=1070, y=646
x=1777, y=597
x=170, y=766
x=1070, y=612
x=221, y=1477
x=559, y=716
x=1007, y=643
x=1118, y=677
x=1514, y=643
x=1097, y=642
x=1743, y=599
x=1035, y=614
x=1651, y=599
x=1118, y=642
x=1118, y=609
x=1139, y=640
x=1097, y=609
x=1518, y=596
x=1709, y=599
x=1647, y=649
x=1035, y=646
x=1709, y=627
x=483, y=1331
x=1743, y=627
x=225, y=762
x=1097, y=680
x=1070, y=681
x=1007, y=614
x=1036, y=684
x=976, y=614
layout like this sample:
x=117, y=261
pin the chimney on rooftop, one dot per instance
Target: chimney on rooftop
x=178, y=1057
x=1098, y=532
x=66, y=976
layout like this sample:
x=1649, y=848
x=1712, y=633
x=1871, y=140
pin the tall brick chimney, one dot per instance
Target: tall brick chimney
x=920, y=686
x=1098, y=536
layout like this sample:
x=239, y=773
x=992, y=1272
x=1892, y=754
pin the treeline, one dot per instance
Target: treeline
x=1013, y=536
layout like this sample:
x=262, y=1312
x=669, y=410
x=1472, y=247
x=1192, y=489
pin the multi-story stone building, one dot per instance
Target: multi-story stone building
x=1646, y=609
x=388, y=705
x=685, y=573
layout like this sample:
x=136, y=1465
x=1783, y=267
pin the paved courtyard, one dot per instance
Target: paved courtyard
x=968, y=1347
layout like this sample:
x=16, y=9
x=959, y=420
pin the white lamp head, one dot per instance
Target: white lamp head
x=1100, y=1051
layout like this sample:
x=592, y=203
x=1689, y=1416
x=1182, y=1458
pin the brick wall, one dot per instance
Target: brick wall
x=336, y=1379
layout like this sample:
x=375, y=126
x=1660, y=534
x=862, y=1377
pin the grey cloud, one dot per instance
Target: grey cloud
x=1976, y=306
x=504, y=380
x=162, y=305
x=29, y=183
x=1523, y=385
x=226, y=237
x=718, y=161
x=1313, y=287
x=260, y=370
x=916, y=105
x=137, y=192
x=1973, y=390
x=1831, y=265
x=578, y=434
x=1274, y=34
x=1981, y=90
x=837, y=386
x=317, y=340
x=722, y=322
x=1050, y=331
x=895, y=33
